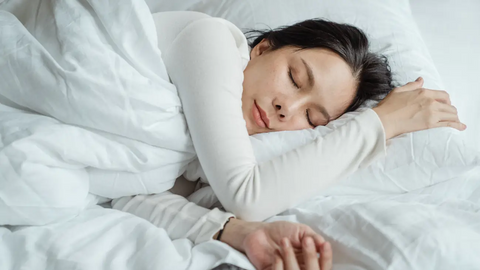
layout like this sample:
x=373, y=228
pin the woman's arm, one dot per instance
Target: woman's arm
x=179, y=217
x=183, y=219
x=205, y=64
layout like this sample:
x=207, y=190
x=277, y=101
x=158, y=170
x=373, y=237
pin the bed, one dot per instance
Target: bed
x=419, y=208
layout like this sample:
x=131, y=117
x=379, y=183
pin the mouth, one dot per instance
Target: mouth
x=260, y=116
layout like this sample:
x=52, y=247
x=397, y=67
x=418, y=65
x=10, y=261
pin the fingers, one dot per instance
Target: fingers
x=447, y=117
x=288, y=261
x=440, y=96
x=289, y=256
x=326, y=254
x=326, y=257
x=442, y=107
x=299, y=255
x=277, y=262
x=418, y=83
x=310, y=254
x=319, y=240
x=448, y=114
x=455, y=125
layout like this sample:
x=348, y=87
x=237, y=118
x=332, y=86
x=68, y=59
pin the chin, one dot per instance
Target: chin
x=251, y=132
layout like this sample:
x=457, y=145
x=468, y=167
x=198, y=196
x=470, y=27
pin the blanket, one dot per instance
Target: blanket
x=86, y=105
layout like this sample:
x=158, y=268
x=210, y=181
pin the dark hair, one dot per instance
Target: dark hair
x=371, y=71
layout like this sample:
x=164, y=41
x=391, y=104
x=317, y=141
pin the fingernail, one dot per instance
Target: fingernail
x=464, y=126
x=419, y=79
x=285, y=242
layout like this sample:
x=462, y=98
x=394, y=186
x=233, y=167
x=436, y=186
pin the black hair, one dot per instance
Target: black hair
x=371, y=71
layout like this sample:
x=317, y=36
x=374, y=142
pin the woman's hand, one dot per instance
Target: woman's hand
x=411, y=108
x=260, y=241
x=288, y=261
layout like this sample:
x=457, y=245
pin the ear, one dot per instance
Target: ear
x=260, y=48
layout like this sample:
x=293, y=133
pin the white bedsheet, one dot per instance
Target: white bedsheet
x=431, y=228
x=367, y=231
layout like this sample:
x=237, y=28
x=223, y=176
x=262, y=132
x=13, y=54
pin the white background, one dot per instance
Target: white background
x=451, y=30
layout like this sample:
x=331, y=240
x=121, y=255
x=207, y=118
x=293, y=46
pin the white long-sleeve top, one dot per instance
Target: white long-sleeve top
x=205, y=59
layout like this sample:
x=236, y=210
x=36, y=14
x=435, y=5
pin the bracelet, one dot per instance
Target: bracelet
x=221, y=231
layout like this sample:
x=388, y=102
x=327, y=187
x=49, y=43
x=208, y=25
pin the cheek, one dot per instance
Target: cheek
x=296, y=123
x=275, y=84
x=266, y=80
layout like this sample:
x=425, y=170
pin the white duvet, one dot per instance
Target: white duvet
x=86, y=106
x=94, y=66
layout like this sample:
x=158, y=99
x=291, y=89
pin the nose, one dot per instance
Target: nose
x=286, y=107
x=280, y=112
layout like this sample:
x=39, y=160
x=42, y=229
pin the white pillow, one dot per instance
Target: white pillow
x=413, y=160
x=388, y=23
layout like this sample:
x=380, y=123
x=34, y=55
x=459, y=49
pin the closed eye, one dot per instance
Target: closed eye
x=292, y=79
x=308, y=119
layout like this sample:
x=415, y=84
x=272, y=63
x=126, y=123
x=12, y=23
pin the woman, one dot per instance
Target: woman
x=294, y=78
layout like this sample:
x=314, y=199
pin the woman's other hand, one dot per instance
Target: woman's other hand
x=261, y=241
x=411, y=108
x=287, y=260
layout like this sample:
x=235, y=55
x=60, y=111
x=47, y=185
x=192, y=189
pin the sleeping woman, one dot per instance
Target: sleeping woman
x=292, y=78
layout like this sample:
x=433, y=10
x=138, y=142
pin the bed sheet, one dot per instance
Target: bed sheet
x=432, y=228
x=450, y=31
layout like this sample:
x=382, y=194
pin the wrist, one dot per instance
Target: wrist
x=235, y=232
x=389, y=125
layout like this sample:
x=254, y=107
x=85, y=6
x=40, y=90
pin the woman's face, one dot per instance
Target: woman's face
x=290, y=89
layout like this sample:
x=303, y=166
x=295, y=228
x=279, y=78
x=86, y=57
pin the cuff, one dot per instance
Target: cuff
x=375, y=136
x=214, y=222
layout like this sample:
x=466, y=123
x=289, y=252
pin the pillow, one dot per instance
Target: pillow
x=413, y=160
x=388, y=24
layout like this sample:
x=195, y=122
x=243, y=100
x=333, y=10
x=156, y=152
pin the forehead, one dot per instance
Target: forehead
x=334, y=82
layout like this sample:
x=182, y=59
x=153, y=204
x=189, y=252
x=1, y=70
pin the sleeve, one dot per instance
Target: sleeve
x=205, y=65
x=179, y=217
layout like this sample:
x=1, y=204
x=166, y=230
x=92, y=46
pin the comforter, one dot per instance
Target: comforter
x=86, y=106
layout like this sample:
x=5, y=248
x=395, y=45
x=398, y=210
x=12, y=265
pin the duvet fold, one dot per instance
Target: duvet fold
x=85, y=105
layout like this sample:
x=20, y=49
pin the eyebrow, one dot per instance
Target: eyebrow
x=311, y=82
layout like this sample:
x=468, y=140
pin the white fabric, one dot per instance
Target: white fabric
x=450, y=31
x=432, y=228
x=124, y=116
x=127, y=134
x=101, y=238
x=179, y=217
x=388, y=24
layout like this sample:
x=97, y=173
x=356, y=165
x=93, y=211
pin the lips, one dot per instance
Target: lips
x=260, y=116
